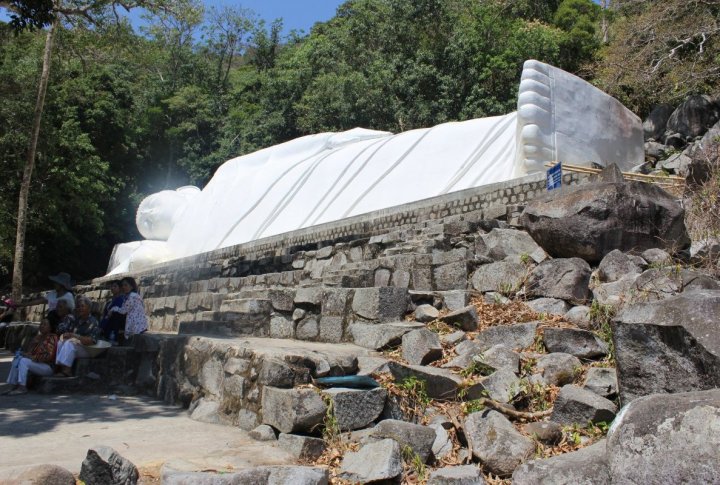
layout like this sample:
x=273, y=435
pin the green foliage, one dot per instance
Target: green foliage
x=601, y=315
x=130, y=114
x=477, y=367
x=414, y=396
x=331, y=427
x=416, y=464
x=660, y=52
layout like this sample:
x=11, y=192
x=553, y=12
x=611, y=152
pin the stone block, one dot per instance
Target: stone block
x=331, y=328
x=451, y=276
x=584, y=466
x=415, y=436
x=381, y=336
x=281, y=300
x=309, y=296
x=281, y=327
x=292, y=410
x=496, y=442
x=305, y=448
x=356, y=408
x=575, y=405
x=335, y=301
x=580, y=343
x=464, y=318
x=105, y=465
x=421, y=347
x=382, y=304
x=373, y=462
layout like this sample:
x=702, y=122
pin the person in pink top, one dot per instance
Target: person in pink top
x=133, y=308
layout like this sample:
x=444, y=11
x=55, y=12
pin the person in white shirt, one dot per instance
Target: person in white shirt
x=62, y=291
x=133, y=308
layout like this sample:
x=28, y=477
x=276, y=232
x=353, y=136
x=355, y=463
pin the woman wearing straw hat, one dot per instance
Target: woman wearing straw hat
x=62, y=291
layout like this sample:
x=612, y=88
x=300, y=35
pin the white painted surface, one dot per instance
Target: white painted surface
x=331, y=176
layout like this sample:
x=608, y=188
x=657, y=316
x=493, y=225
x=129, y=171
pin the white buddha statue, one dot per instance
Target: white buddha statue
x=330, y=176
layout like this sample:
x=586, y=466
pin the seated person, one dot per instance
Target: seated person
x=84, y=331
x=62, y=291
x=61, y=318
x=7, y=311
x=113, y=322
x=38, y=360
x=133, y=308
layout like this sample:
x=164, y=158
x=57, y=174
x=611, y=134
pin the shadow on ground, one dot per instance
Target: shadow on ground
x=34, y=413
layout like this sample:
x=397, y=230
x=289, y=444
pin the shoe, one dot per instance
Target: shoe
x=17, y=392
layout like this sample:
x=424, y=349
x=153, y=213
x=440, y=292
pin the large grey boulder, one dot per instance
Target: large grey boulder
x=456, y=475
x=373, y=462
x=548, y=306
x=616, y=265
x=465, y=318
x=292, y=410
x=580, y=343
x=501, y=243
x=426, y=313
x=660, y=439
x=703, y=154
x=356, y=408
x=260, y=475
x=655, y=124
x=44, y=475
x=580, y=316
x=575, y=405
x=672, y=345
x=565, y=278
x=496, y=442
x=558, y=369
x=105, y=466
x=499, y=357
x=515, y=336
x=502, y=386
x=440, y=383
x=602, y=381
x=694, y=116
x=443, y=445
x=415, y=436
x=586, y=466
x=381, y=336
x=501, y=276
x=591, y=220
x=616, y=293
x=421, y=347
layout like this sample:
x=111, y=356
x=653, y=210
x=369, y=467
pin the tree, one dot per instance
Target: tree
x=36, y=14
x=661, y=51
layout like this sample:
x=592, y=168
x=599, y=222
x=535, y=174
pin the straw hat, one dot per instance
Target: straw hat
x=63, y=279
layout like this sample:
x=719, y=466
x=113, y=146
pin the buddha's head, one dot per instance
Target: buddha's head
x=158, y=212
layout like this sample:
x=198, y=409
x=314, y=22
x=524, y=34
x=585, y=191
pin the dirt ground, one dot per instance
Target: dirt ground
x=59, y=429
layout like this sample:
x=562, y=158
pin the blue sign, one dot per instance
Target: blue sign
x=554, y=177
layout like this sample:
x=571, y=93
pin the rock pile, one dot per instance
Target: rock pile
x=682, y=141
x=518, y=353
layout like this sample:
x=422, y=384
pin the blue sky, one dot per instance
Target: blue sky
x=299, y=15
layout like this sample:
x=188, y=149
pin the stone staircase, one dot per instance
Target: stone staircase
x=321, y=301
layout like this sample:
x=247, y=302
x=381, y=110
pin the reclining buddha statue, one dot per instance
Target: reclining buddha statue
x=330, y=176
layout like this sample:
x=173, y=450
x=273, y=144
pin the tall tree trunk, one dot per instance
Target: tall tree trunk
x=17, y=281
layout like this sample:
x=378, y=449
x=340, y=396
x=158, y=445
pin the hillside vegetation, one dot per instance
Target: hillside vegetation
x=129, y=112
